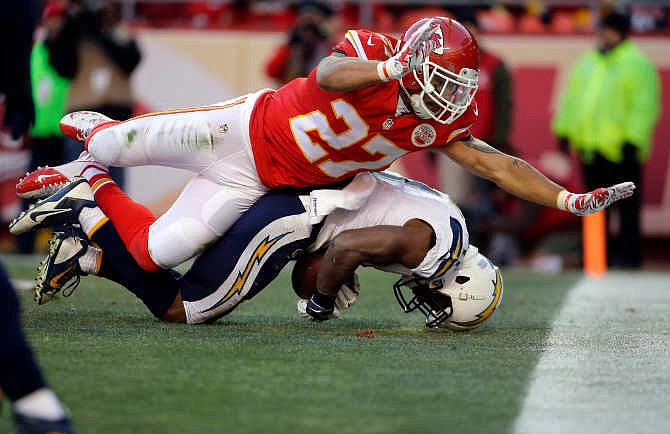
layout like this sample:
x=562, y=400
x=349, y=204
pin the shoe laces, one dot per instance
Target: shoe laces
x=70, y=231
x=71, y=286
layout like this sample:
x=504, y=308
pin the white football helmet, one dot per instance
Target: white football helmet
x=462, y=300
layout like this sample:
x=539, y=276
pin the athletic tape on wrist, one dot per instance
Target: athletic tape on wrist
x=563, y=199
x=381, y=71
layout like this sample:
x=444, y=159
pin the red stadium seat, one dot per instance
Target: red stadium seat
x=563, y=23
x=408, y=18
x=496, y=20
x=529, y=23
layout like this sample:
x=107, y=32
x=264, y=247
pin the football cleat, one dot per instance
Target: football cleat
x=78, y=125
x=60, y=266
x=45, y=181
x=36, y=425
x=61, y=208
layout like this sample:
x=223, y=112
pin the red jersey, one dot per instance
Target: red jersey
x=303, y=136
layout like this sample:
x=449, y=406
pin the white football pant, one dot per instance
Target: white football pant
x=212, y=141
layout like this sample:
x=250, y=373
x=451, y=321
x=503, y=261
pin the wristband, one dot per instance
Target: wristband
x=325, y=301
x=391, y=69
x=381, y=71
x=321, y=307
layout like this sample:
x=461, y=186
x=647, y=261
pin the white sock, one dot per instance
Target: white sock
x=89, y=262
x=90, y=219
x=41, y=403
x=91, y=171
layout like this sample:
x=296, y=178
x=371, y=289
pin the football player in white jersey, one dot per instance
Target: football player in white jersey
x=378, y=219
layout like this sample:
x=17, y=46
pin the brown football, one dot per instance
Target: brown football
x=304, y=274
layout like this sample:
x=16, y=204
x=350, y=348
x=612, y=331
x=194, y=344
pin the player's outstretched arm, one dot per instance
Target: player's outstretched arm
x=523, y=180
x=378, y=245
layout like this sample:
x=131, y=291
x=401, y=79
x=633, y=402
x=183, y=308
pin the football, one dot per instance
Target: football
x=304, y=274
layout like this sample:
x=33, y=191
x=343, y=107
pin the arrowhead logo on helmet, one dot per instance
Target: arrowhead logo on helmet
x=439, y=47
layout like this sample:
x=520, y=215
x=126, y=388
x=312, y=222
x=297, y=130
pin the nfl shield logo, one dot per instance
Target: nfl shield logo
x=388, y=123
x=423, y=135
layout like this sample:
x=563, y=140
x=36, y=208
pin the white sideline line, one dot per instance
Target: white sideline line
x=606, y=368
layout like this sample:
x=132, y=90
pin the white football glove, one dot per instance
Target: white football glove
x=411, y=54
x=594, y=201
x=348, y=294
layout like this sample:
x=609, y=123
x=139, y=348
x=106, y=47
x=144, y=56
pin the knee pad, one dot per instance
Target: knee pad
x=175, y=243
x=104, y=146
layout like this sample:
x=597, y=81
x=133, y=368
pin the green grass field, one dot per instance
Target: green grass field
x=265, y=370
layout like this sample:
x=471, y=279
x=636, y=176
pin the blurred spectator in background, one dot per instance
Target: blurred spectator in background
x=607, y=114
x=494, y=95
x=99, y=54
x=308, y=42
x=521, y=233
x=648, y=18
x=17, y=23
x=36, y=408
x=17, y=112
x=50, y=94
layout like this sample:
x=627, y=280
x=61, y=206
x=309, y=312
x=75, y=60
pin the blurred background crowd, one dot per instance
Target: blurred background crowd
x=525, y=16
x=126, y=57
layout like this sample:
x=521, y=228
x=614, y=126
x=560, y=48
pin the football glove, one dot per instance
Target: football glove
x=411, y=54
x=318, y=308
x=594, y=201
x=301, y=307
x=348, y=293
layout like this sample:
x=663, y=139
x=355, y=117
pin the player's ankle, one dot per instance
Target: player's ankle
x=90, y=261
x=99, y=128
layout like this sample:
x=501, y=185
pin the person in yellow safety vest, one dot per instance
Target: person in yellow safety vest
x=607, y=114
x=50, y=95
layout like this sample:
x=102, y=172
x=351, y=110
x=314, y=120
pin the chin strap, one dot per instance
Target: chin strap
x=418, y=107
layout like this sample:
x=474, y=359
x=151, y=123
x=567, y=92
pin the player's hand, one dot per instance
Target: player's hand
x=301, y=307
x=348, y=294
x=596, y=200
x=411, y=54
x=320, y=306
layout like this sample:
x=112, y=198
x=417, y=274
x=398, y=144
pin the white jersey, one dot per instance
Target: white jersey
x=382, y=198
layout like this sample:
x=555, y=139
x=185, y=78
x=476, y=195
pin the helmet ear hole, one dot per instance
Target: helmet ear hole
x=462, y=279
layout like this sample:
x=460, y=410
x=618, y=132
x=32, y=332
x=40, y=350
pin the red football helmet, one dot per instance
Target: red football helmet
x=443, y=86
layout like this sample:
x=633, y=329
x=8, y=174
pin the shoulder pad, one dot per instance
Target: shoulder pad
x=367, y=45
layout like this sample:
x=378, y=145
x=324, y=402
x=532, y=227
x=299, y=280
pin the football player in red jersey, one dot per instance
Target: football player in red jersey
x=372, y=100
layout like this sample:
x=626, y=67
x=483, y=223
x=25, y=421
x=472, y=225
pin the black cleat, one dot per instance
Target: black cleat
x=59, y=267
x=61, y=208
